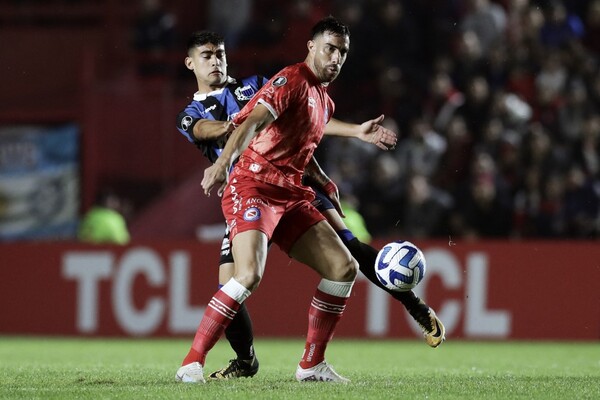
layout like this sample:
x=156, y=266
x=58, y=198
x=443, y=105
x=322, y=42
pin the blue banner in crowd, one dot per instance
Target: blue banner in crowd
x=39, y=182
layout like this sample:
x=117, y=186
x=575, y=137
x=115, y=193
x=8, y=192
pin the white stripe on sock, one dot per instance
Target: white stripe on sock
x=339, y=289
x=236, y=291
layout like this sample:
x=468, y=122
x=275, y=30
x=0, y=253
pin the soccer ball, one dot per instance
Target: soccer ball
x=400, y=266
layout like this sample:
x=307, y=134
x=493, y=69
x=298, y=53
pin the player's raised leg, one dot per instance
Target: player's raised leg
x=431, y=326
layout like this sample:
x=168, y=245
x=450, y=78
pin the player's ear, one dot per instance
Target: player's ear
x=189, y=63
x=310, y=45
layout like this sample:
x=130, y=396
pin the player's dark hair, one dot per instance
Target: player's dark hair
x=330, y=24
x=201, y=38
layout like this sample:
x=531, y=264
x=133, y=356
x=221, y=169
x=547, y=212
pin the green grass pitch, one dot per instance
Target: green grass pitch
x=67, y=368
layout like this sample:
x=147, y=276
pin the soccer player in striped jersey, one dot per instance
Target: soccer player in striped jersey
x=206, y=121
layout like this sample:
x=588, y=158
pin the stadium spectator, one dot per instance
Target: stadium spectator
x=381, y=195
x=477, y=106
x=155, y=34
x=483, y=208
x=581, y=205
x=591, y=38
x=454, y=164
x=560, y=28
x=527, y=204
x=232, y=25
x=487, y=20
x=424, y=209
x=587, y=149
x=550, y=220
x=442, y=100
x=421, y=151
x=104, y=222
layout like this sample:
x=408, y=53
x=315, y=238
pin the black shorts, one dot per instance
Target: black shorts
x=321, y=203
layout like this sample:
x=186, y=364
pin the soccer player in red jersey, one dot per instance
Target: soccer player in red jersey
x=265, y=200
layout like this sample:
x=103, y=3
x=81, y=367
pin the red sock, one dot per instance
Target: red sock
x=219, y=313
x=324, y=313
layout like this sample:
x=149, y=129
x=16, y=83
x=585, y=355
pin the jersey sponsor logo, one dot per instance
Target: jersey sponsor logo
x=252, y=214
x=209, y=109
x=186, y=122
x=280, y=81
x=257, y=200
x=244, y=93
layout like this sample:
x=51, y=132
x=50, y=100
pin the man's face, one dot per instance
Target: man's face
x=209, y=64
x=328, y=52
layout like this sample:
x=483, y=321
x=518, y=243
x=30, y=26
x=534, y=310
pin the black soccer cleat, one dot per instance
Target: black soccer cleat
x=433, y=329
x=236, y=369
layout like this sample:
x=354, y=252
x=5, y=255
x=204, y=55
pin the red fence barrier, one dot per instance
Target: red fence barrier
x=485, y=290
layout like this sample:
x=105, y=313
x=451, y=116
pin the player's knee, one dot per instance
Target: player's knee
x=248, y=279
x=352, y=269
x=346, y=272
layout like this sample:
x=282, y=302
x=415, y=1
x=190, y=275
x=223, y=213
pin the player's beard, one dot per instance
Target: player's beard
x=329, y=73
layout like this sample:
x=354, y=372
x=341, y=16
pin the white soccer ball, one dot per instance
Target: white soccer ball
x=400, y=266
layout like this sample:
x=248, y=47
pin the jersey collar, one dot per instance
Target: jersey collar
x=202, y=96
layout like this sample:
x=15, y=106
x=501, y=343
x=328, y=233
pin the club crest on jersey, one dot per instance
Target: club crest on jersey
x=244, y=93
x=186, y=122
x=252, y=214
x=254, y=167
x=280, y=81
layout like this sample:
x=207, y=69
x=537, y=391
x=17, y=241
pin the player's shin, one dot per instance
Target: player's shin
x=240, y=335
x=325, y=311
x=221, y=310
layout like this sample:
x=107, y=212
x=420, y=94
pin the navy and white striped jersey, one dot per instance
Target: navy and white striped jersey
x=218, y=105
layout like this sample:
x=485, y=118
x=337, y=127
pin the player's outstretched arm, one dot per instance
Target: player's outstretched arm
x=259, y=118
x=370, y=131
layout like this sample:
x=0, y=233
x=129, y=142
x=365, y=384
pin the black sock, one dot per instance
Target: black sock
x=239, y=334
x=366, y=256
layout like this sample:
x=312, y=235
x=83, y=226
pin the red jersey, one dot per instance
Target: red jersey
x=302, y=108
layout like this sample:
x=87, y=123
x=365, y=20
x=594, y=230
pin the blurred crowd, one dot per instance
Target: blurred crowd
x=496, y=104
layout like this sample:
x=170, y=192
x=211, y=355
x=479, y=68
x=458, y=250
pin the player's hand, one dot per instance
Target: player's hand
x=214, y=175
x=372, y=132
x=331, y=190
x=229, y=127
